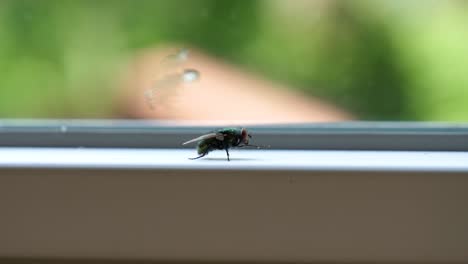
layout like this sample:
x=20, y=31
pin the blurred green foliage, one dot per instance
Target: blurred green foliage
x=381, y=60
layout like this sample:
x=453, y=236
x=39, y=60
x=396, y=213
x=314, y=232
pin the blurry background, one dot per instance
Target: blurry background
x=367, y=60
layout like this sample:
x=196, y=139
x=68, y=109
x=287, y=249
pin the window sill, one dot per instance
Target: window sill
x=337, y=193
x=75, y=204
x=283, y=160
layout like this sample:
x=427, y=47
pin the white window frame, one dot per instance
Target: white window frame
x=125, y=190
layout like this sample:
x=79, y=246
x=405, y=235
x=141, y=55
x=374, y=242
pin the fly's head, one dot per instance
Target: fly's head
x=245, y=136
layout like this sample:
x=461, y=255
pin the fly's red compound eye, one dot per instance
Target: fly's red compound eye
x=245, y=136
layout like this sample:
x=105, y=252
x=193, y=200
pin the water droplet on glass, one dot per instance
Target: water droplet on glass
x=169, y=78
x=180, y=56
x=149, y=98
x=190, y=75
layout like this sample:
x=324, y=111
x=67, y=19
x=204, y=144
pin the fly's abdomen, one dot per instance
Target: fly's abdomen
x=203, y=147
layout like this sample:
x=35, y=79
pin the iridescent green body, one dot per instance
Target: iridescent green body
x=220, y=139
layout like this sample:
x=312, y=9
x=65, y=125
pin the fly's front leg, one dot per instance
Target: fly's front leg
x=248, y=146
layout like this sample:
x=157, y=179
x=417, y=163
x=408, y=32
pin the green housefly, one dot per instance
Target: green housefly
x=224, y=138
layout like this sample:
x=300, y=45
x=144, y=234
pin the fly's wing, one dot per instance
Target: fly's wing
x=218, y=136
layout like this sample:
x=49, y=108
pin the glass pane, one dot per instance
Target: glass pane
x=243, y=62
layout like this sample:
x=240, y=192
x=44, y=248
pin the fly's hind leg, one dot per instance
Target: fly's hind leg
x=202, y=155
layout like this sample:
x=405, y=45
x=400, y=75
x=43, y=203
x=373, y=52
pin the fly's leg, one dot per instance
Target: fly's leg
x=226, y=147
x=202, y=155
x=227, y=152
x=249, y=146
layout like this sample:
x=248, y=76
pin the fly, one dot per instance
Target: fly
x=220, y=139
